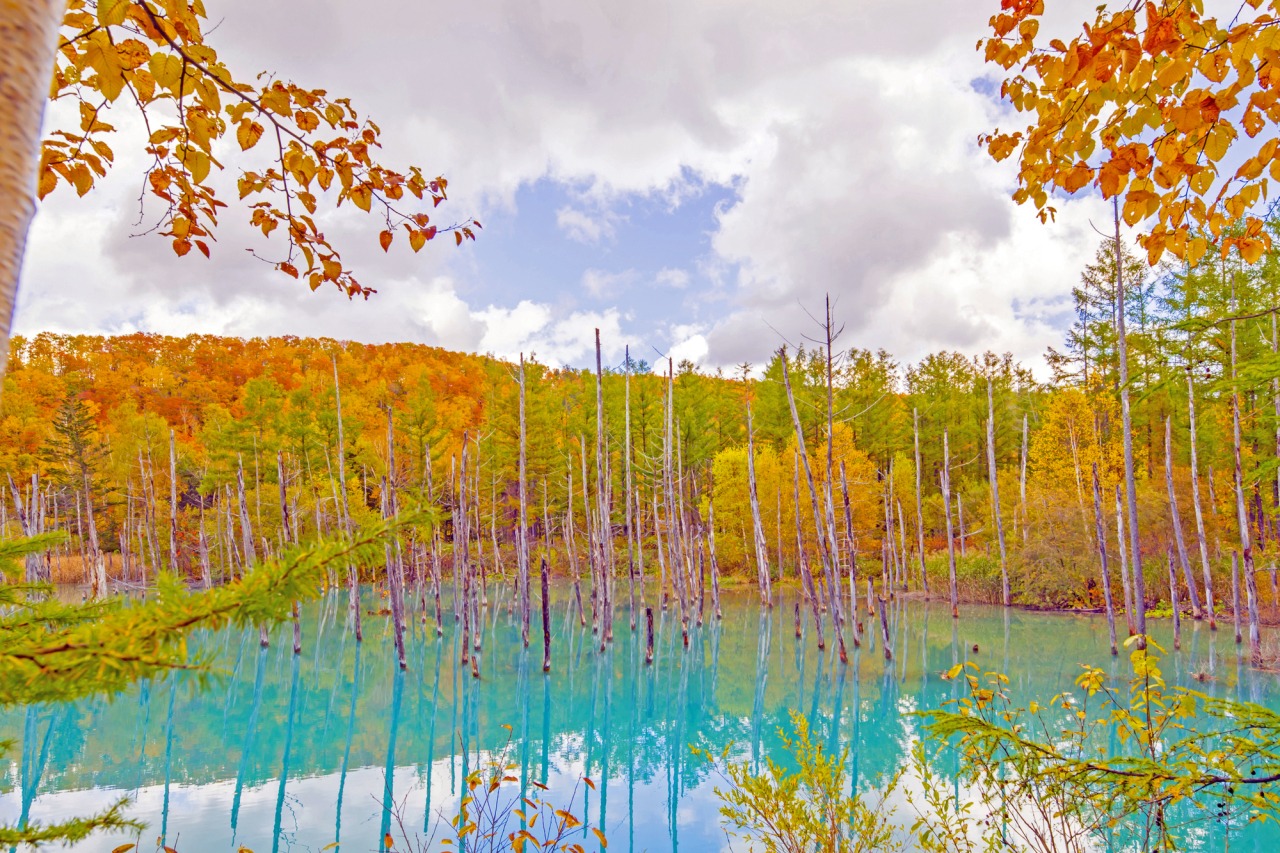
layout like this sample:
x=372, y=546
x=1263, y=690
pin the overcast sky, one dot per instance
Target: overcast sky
x=690, y=177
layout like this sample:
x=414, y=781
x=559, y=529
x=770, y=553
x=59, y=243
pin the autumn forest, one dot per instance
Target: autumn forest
x=195, y=454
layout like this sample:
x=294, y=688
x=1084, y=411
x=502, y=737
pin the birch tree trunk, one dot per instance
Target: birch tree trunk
x=28, y=42
x=1176, y=521
x=1131, y=490
x=353, y=582
x=1022, y=479
x=946, y=505
x=762, y=553
x=1195, y=503
x=173, y=503
x=395, y=564
x=1124, y=564
x=1242, y=517
x=995, y=493
x=823, y=534
x=924, y=573
x=522, y=532
x=1101, y=534
x=630, y=519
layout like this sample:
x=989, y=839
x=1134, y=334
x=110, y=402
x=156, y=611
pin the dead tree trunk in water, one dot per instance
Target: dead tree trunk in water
x=630, y=519
x=522, y=533
x=951, y=542
x=995, y=494
x=173, y=504
x=391, y=551
x=924, y=571
x=763, y=575
x=287, y=533
x=1101, y=533
x=1124, y=564
x=1242, y=517
x=1176, y=521
x=246, y=539
x=605, y=532
x=1131, y=491
x=806, y=577
x=353, y=582
x=822, y=533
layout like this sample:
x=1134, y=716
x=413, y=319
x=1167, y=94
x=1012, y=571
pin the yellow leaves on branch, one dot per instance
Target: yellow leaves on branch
x=1148, y=104
x=151, y=54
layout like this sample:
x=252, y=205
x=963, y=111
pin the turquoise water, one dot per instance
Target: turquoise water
x=286, y=752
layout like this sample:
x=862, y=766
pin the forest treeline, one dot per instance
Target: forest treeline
x=198, y=454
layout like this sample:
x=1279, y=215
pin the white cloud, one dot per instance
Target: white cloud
x=848, y=137
x=584, y=227
x=674, y=278
x=607, y=285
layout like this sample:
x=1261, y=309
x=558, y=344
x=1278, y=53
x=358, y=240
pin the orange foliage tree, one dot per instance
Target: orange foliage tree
x=152, y=55
x=1146, y=103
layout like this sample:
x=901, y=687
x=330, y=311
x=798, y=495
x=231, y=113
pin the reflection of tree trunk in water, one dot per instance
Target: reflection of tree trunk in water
x=590, y=740
x=632, y=708
x=606, y=738
x=33, y=764
x=431, y=738
x=855, y=746
x=146, y=723
x=249, y=733
x=545, y=775
x=715, y=665
x=522, y=692
x=762, y=678
x=288, y=745
x=389, y=773
x=168, y=760
x=346, y=749
x=680, y=751
x=833, y=743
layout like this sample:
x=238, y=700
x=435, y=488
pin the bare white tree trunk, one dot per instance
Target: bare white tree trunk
x=946, y=505
x=822, y=531
x=522, y=534
x=1131, y=489
x=924, y=574
x=1176, y=521
x=995, y=493
x=762, y=552
x=1195, y=503
x=1101, y=533
x=28, y=42
x=1242, y=516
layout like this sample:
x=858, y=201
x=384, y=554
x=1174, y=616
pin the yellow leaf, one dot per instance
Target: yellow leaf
x=198, y=163
x=166, y=69
x=1218, y=142
x=248, y=134
x=362, y=197
x=81, y=178
x=48, y=181
x=112, y=12
x=416, y=239
x=385, y=239
x=123, y=848
x=604, y=842
x=101, y=55
x=132, y=52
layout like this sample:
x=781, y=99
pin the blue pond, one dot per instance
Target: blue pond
x=285, y=752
